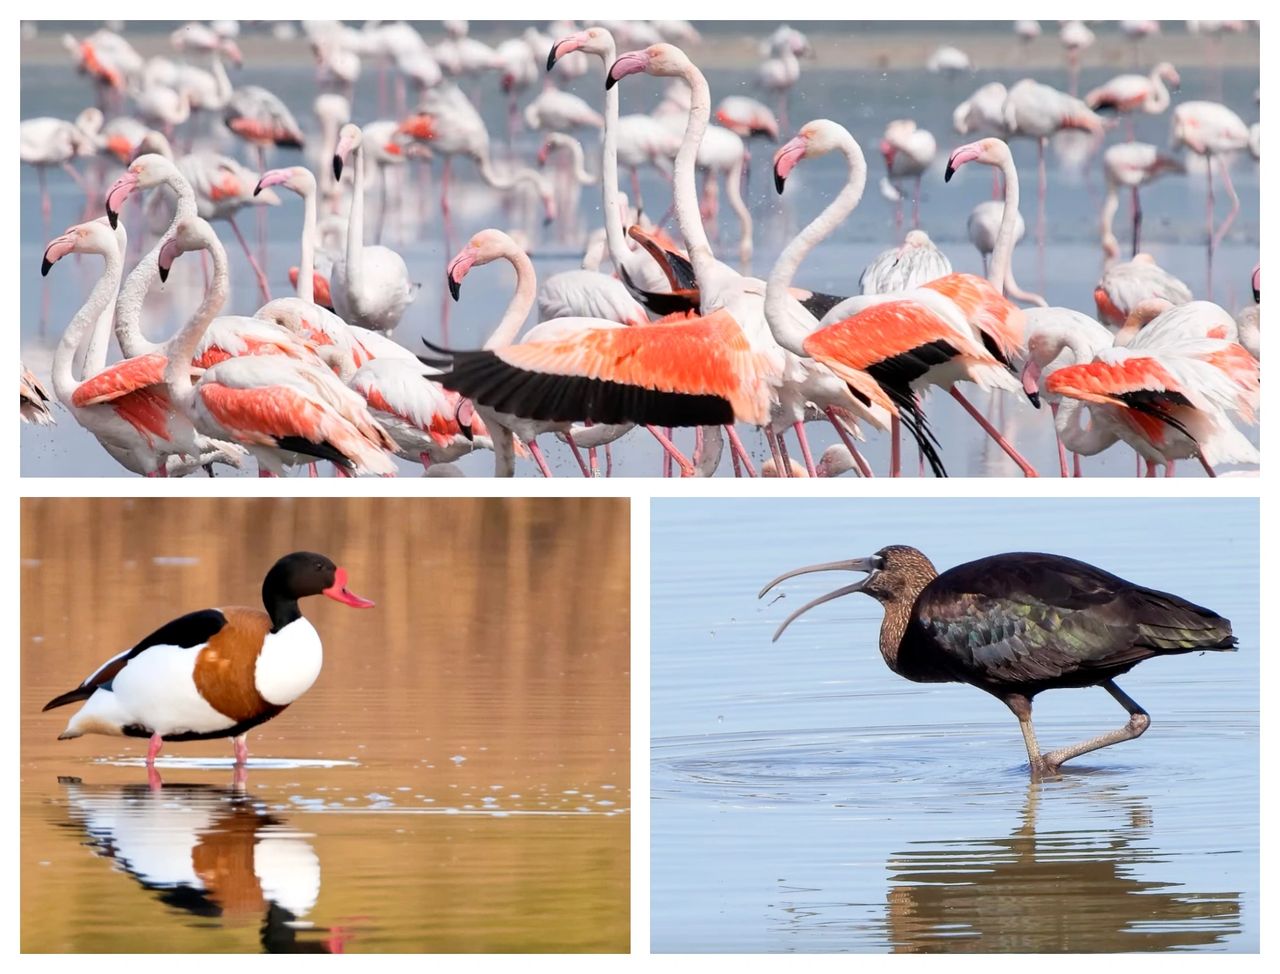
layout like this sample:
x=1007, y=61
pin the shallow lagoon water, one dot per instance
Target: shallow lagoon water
x=457, y=780
x=848, y=91
x=805, y=798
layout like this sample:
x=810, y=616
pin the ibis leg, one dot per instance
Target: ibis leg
x=1139, y=721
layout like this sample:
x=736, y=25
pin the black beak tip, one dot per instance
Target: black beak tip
x=337, y=167
x=946, y=178
x=112, y=217
x=609, y=82
x=1257, y=295
x=551, y=57
x=455, y=288
x=164, y=274
x=779, y=181
x=257, y=189
x=1034, y=398
x=45, y=264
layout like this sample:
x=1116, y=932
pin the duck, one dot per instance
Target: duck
x=216, y=672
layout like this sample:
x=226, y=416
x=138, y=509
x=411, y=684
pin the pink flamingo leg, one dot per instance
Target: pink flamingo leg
x=915, y=207
x=1075, y=465
x=257, y=270
x=864, y=468
x=538, y=458
x=1062, y=450
x=46, y=204
x=739, y=451
x=773, y=450
x=425, y=460
x=786, y=470
x=577, y=455
x=686, y=468
x=1042, y=193
x=262, y=214
x=804, y=450
x=241, y=746
x=1208, y=170
x=895, y=447
x=666, y=457
x=445, y=212
x=1225, y=225
x=1001, y=442
x=1203, y=462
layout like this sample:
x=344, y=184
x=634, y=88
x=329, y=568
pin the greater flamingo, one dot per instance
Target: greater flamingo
x=1131, y=165
x=1124, y=286
x=916, y=262
x=370, y=286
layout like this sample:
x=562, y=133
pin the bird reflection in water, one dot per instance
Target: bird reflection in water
x=210, y=852
x=1064, y=890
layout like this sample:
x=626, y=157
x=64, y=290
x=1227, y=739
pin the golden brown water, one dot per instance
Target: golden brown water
x=458, y=779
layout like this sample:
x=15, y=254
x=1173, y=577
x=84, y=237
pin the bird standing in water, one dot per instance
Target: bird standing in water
x=1020, y=623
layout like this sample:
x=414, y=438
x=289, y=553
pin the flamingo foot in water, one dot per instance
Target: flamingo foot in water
x=686, y=468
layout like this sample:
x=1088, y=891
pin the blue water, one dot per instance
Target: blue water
x=862, y=98
x=805, y=798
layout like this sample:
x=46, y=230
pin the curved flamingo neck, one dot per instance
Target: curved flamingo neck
x=1075, y=435
x=99, y=300
x=685, y=188
x=134, y=292
x=355, y=227
x=1110, y=245
x=1002, y=255
x=789, y=335
x=307, y=263
x=1159, y=99
x=182, y=347
x=225, y=87
x=521, y=302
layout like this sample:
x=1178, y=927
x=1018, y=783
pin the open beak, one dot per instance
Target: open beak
x=339, y=592
x=870, y=565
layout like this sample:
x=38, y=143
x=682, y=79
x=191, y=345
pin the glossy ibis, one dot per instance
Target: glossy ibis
x=1020, y=623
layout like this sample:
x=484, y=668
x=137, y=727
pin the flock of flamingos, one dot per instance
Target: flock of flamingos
x=669, y=336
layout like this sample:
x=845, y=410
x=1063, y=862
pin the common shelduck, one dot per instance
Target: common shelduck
x=217, y=672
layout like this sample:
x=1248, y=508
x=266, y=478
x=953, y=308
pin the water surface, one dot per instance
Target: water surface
x=805, y=798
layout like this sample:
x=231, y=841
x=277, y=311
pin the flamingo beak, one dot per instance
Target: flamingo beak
x=544, y=153
x=633, y=62
x=966, y=153
x=785, y=160
x=548, y=210
x=273, y=177
x=117, y=194
x=57, y=249
x=870, y=565
x=566, y=45
x=169, y=252
x=339, y=592
x=458, y=268
x=1031, y=382
x=1257, y=284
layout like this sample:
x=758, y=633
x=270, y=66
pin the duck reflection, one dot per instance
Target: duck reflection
x=1077, y=890
x=210, y=852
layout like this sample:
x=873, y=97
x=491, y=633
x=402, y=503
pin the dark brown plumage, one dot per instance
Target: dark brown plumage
x=1017, y=624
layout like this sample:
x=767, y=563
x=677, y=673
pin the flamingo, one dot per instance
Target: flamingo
x=448, y=122
x=1247, y=319
x=916, y=262
x=1056, y=338
x=982, y=113
x=279, y=407
x=1138, y=31
x=570, y=369
x=1132, y=165
x=1216, y=132
x=332, y=111
x=124, y=406
x=1076, y=38
x=984, y=229
x=1128, y=93
x=108, y=59
x=948, y=61
x=908, y=152
x=746, y=117
x=1036, y=111
x=45, y=142
x=780, y=71
x=370, y=287
x=1177, y=382
x=1123, y=287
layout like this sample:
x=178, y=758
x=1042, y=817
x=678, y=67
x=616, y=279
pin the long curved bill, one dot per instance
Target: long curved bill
x=870, y=564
